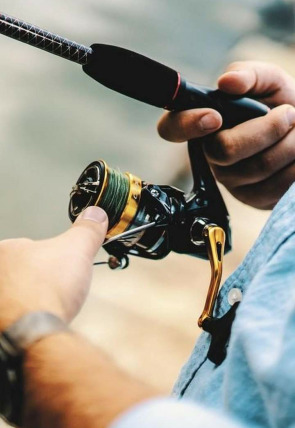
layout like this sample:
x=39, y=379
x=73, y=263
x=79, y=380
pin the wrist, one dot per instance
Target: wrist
x=15, y=343
x=30, y=328
x=12, y=310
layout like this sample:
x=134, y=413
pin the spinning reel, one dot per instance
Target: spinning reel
x=149, y=220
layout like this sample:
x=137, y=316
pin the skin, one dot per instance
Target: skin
x=68, y=382
x=255, y=161
x=53, y=275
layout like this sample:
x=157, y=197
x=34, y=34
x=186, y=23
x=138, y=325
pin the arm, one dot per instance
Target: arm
x=67, y=381
x=255, y=161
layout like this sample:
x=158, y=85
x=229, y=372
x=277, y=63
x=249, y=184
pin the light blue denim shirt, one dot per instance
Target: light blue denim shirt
x=255, y=385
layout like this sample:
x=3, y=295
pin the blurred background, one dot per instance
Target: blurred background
x=55, y=120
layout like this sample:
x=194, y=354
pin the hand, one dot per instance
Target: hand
x=52, y=275
x=254, y=160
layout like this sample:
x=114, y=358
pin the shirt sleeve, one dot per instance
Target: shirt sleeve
x=170, y=413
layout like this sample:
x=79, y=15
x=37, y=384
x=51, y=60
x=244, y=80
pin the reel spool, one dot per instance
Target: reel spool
x=123, y=199
x=118, y=194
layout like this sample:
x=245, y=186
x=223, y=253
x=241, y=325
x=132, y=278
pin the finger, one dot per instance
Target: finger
x=259, y=167
x=87, y=233
x=186, y=125
x=265, y=195
x=251, y=137
x=251, y=76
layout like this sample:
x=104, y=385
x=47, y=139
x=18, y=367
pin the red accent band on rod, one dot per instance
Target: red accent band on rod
x=177, y=87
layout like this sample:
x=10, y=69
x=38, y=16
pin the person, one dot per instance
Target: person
x=70, y=383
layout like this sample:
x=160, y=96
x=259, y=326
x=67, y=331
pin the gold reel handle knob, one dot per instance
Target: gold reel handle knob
x=214, y=238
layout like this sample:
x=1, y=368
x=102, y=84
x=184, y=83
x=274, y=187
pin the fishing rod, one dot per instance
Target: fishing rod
x=42, y=39
x=151, y=82
x=134, y=75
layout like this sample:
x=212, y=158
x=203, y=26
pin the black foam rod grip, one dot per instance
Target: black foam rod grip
x=151, y=82
x=132, y=74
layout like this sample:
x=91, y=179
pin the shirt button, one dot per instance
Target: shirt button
x=235, y=295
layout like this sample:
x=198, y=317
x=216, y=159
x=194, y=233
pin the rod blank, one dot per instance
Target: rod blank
x=42, y=39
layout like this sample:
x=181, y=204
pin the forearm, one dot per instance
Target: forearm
x=70, y=383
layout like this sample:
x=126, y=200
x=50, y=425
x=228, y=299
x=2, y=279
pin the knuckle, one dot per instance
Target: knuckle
x=183, y=125
x=225, y=149
x=255, y=196
x=220, y=174
x=161, y=127
x=23, y=242
x=278, y=128
x=216, y=172
x=15, y=245
x=240, y=195
x=234, y=65
x=247, y=196
x=278, y=122
x=173, y=127
x=265, y=164
x=91, y=236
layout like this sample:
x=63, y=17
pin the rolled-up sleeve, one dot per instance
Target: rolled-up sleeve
x=170, y=413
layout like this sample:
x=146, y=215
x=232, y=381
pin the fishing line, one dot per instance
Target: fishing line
x=114, y=199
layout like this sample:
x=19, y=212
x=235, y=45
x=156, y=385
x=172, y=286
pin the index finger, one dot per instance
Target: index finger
x=262, y=79
x=249, y=138
x=186, y=125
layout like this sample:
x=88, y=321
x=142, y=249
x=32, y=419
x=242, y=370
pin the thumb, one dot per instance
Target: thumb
x=89, y=231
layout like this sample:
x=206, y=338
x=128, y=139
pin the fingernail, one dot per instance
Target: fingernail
x=93, y=213
x=209, y=122
x=291, y=116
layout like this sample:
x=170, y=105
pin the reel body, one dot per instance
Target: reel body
x=148, y=220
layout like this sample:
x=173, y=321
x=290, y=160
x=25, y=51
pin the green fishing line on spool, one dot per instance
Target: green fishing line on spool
x=115, y=196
